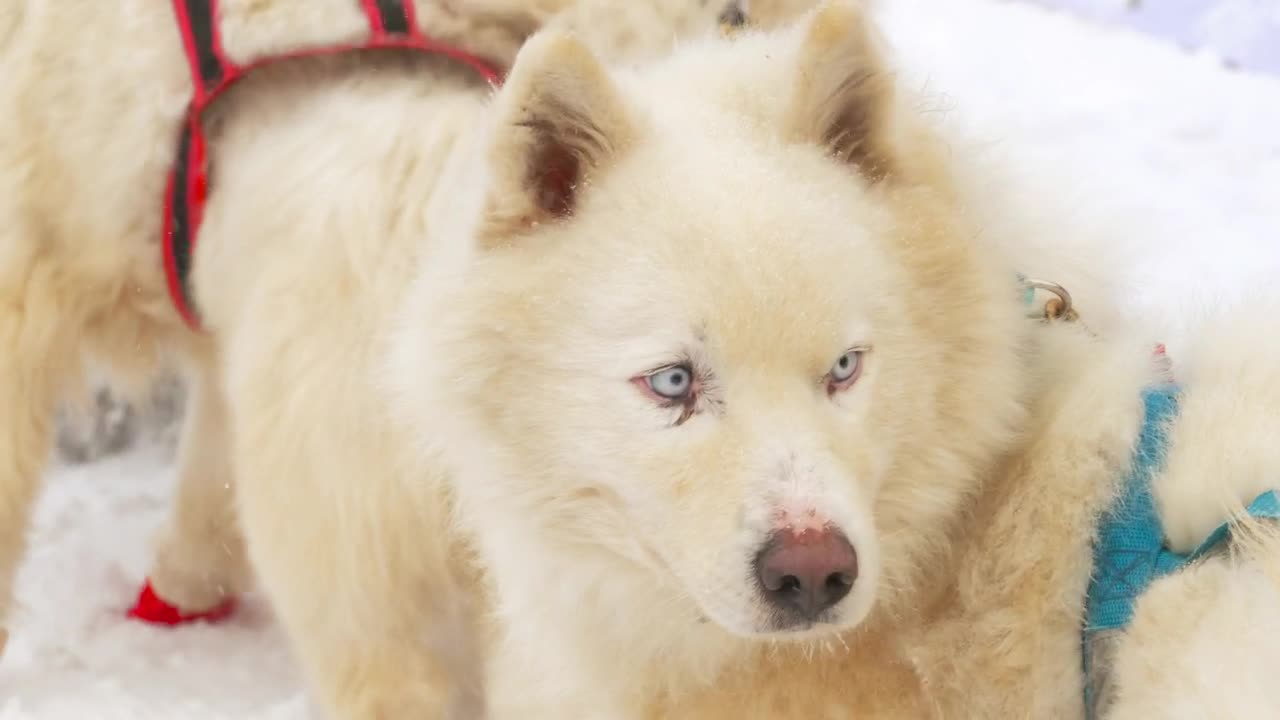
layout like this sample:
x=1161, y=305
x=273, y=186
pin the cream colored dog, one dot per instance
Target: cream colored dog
x=93, y=94
x=684, y=391
x=745, y=419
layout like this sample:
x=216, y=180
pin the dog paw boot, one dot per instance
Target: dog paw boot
x=151, y=608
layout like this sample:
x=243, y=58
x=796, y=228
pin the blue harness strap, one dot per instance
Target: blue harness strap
x=1130, y=553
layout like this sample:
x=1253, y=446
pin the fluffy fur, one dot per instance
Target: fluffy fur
x=431, y=313
x=969, y=464
x=86, y=140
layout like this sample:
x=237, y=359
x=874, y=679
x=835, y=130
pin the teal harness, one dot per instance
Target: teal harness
x=1130, y=553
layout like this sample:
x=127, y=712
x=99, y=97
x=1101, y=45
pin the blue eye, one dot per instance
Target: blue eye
x=673, y=383
x=845, y=370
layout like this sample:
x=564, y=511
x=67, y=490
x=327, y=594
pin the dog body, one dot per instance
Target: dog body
x=81, y=276
x=690, y=390
x=628, y=518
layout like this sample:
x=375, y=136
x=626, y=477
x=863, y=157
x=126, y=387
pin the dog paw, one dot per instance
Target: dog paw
x=151, y=608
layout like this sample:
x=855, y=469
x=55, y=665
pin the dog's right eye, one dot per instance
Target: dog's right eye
x=673, y=383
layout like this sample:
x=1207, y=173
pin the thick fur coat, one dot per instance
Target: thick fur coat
x=93, y=95
x=438, y=376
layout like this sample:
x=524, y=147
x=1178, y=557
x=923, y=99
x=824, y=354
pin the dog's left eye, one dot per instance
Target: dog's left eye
x=845, y=371
x=673, y=383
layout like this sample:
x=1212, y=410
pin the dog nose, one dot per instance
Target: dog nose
x=804, y=573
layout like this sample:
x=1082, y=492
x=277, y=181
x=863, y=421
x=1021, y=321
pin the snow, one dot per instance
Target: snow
x=1241, y=32
x=1173, y=148
x=1170, y=144
x=74, y=657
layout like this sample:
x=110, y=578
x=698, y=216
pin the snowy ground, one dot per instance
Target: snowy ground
x=1183, y=151
x=1245, y=33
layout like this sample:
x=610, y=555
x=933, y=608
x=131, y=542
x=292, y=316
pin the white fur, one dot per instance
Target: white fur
x=1203, y=645
x=331, y=177
x=424, y=359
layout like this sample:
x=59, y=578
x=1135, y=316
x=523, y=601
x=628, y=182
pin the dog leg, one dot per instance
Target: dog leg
x=359, y=612
x=346, y=534
x=200, y=562
x=33, y=365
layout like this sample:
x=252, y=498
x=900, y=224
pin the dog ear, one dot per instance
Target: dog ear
x=560, y=121
x=844, y=96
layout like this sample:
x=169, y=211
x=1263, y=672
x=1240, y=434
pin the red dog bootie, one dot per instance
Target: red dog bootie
x=151, y=608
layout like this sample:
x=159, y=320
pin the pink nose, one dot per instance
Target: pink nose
x=802, y=574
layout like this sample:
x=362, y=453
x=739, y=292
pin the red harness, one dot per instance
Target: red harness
x=391, y=25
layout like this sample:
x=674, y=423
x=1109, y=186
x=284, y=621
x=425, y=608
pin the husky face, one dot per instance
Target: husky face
x=722, y=342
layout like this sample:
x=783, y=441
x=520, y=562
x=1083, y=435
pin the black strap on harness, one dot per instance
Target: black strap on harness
x=392, y=24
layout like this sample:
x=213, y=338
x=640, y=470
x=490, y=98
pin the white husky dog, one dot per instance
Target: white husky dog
x=93, y=95
x=690, y=390
x=744, y=417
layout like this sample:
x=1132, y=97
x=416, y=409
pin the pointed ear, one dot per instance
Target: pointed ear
x=844, y=96
x=560, y=121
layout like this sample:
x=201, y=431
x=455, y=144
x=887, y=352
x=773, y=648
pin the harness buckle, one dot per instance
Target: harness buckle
x=1058, y=307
